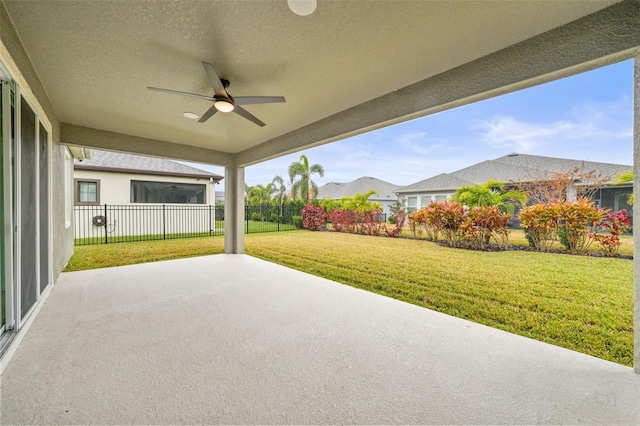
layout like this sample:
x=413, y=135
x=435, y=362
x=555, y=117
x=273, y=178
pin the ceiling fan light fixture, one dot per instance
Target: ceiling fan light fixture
x=190, y=115
x=302, y=7
x=223, y=105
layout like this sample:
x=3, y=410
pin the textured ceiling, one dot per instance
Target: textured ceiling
x=96, y=58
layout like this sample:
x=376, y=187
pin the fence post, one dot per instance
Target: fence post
x=210, y=227
x=106, y=225
x=164, y=223
x=246, y=219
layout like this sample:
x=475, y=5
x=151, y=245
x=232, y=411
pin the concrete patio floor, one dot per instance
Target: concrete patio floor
x=233, y=339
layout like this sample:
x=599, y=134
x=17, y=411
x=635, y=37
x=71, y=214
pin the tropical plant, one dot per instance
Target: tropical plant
x=483, y=222
x=453, y=217
x=313, y=217
x=301, y=183
x=260, y=195
x=615, y=224
x=280, y=190
x=540, y=222
x=578, y=222
x=330, y=204
x=489, y=193
x=360, y=202
x=625, y=177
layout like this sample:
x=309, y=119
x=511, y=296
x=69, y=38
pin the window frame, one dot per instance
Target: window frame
x=135, y=182
x=76, y=192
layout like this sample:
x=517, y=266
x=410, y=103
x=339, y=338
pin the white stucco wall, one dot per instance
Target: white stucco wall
x=115, y=188
x=124, y=219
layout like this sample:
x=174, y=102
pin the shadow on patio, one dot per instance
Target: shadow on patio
x=233, y=339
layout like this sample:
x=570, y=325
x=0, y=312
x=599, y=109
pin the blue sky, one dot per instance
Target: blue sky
x=588, y=116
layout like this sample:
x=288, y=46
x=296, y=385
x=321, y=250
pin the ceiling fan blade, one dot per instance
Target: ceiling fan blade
x=207, y=115
x=177, y=92
x=215, y=80
x=250, y=100
x=246, y=114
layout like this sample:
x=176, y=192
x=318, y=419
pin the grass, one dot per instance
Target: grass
x=107, y=255
x=578, y=302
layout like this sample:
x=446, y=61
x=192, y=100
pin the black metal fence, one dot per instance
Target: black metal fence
x=105, y=224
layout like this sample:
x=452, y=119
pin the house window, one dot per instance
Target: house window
x=87, y=192
x=441, y=198
x=167, y=192
x=412, y=204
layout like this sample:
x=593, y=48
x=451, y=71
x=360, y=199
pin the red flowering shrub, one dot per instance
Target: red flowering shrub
x=394, y=231
x=453, y=216
x=338, y=219
x=540, y=222
x=483, y=222
x=371, y=222
x=615, y=223
x=313, y=218
x=577, y=223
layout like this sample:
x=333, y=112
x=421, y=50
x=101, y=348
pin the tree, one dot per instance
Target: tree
x=544, y=187
x=625, y=177
x=301, y=182
x=259, y=195
x=280, y=191
x=490, y=193
x=360, y=202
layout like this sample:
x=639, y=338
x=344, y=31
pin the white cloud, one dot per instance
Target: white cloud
x=418, y=142
x=520, y=136
x=587, y=123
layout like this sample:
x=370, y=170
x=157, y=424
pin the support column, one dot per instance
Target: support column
x=636, y=213
x=234, y=210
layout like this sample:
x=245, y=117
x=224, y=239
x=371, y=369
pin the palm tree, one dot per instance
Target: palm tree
x=259, y=195
x=625, y=177
x=281, y=191
x=490, y=193
x=304, y=185
x=360, y=202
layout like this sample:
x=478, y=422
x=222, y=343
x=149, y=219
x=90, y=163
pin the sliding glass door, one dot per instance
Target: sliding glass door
x=25, y=245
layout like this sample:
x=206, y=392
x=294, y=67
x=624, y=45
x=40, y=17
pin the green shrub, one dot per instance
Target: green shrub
x=277, y=219
x=256, y=217
x=297, y=221
x=392, y=220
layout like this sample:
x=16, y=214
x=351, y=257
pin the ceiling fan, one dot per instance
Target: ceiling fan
x=222, y=100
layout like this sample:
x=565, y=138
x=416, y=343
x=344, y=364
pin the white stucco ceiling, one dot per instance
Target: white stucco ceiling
x=96, y=58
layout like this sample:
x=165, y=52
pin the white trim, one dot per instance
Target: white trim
x=8, y=225
x=68, y=188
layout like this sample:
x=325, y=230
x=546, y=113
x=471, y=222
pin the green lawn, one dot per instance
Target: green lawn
x=119, y=254
x=578, y=302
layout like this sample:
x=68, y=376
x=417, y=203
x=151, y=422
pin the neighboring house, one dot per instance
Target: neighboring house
x=107, y=182
x=118, y=178
x=386, y=195
x=515, y=168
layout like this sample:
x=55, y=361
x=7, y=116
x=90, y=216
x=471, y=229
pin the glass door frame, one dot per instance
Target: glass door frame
x=8, y=227
x=12, y=168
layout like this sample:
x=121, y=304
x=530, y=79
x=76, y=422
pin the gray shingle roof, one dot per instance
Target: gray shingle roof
x=443, y=181
x=511, y=168
x=129, y=163
x=335, y=190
